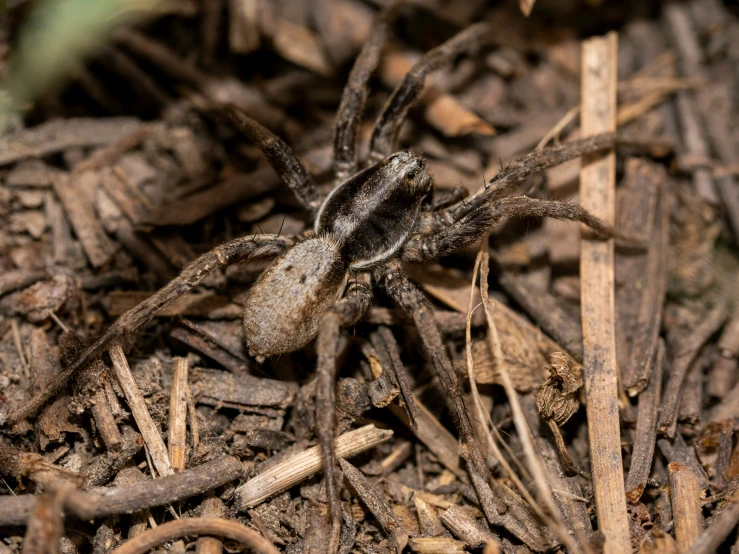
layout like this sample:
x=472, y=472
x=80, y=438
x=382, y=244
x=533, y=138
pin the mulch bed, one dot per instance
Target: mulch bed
x=125, y=172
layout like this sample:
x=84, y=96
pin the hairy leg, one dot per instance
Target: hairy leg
x=229, y=253
x=280, y=156
x=516, y=172
x=500, y=505
x=472, y=227
x=412, y=301
x=355, y=94
x=405, y=94
x=344, y=313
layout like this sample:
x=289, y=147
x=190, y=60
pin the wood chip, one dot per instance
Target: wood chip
x=641, y=277
x=192, y=304
x=428, y=519
x=526, y=6
x=300, y=46
x=98, y=247
x=215, y=387
x=466, y=528
x=63, y=134
x=377, y=504
x=434, y=436
x=443, y=111
x=688, y=349
x=686, y=505
x=646, y=430
x=136, y=402
x=436, y=545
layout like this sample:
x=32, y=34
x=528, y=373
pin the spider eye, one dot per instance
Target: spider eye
x=410, y=175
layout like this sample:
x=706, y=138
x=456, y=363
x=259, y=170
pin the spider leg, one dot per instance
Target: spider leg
x=345, y=312
x=516, y=172
x=405, y=94
x=523, y=206
x=412, y=301
x=229, y=253
x=495, y=499
x=355, y=94
x=472, y=227
x=280, y=156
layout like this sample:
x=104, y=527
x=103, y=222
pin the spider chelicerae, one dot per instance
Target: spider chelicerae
x=372, y=221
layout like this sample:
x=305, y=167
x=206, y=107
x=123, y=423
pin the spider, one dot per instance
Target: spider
x=373, y=220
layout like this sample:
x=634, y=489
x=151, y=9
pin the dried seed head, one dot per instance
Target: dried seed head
x=284, y=307
x=558, y=398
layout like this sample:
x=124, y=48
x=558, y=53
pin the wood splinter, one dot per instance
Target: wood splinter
x=686, y=505
x=149, y=431
x=177, y=436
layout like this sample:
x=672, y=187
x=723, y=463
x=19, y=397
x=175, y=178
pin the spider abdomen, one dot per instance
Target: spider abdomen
x=284, y=307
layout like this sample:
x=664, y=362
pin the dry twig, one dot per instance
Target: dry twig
x=598, y=195
x=97, y=503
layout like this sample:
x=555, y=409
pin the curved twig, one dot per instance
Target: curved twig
x=173, y=530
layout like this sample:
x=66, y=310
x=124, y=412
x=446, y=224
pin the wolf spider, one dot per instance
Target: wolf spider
x=372, y=221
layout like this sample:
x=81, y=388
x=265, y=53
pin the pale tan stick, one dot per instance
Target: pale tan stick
x=559, y=126
x=686, y=505
x=526, y=6
x=598, y=195
x=136, y=402
x=298, y=468
x=436, y=545
x=177, y=437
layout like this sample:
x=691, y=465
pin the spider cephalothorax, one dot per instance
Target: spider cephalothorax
x=370, y=223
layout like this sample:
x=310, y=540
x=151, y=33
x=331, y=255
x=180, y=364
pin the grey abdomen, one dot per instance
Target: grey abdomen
x=284, y=307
